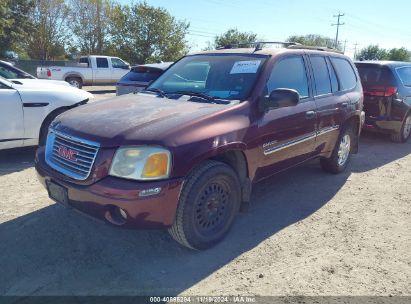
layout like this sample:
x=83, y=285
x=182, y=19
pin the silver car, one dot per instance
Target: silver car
x=140, y=77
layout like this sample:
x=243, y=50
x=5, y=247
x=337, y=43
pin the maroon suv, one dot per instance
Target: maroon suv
x=185, y=153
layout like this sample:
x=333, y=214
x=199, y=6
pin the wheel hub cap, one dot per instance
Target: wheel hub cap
x=407, y=127
x=344, y=149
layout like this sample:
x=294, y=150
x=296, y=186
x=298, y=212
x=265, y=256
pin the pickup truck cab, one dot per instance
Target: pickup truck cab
x=89, y=70
x=185, y=153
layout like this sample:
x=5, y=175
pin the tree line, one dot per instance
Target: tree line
x=64, y=29
x=136, y=32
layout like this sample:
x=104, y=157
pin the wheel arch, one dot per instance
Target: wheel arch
x=354, y=122
x=73, y=74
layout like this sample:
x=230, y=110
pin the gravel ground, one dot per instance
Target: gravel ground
x=306, y=233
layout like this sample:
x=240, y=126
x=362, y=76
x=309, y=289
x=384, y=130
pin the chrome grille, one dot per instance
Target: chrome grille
x=71, y=156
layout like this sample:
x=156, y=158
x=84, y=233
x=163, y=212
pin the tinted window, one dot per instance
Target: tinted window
x=321, y=75
x=84, y=60
x=345, y=73
x=333, y=76
x=102, y=62
x=405, y=75
x=145, y=75
x=289, y=73
x=375, y=75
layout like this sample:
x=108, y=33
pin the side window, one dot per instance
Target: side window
x=333, y=76
x=102, y=62
x=117, y=63
x=84, y=60
x=345, y=73
x=321, y=75
x=289, y=73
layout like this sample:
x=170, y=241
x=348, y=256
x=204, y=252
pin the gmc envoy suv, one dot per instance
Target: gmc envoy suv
x=184, y=153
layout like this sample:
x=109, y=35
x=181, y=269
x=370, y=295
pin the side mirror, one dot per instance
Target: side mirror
x=279, y=98
x=126, y=67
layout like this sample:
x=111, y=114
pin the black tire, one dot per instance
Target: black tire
x=337, y=164
x=45, y=126
x=405, y=133
x=208, y=205
x=76, y=82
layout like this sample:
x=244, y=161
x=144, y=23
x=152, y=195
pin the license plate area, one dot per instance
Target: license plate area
x=57, y=193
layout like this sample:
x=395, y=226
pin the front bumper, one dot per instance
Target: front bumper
x=101, y=198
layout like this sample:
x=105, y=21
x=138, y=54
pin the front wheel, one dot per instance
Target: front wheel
x=342, y=153
x=405, y=132
x=208, y=205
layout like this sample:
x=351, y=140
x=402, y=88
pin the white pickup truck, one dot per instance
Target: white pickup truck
x=89, y=70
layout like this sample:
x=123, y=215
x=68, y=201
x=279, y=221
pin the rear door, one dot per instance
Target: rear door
x=287, y=135
x=11, y=117
x=101, y=71
x=331, y=102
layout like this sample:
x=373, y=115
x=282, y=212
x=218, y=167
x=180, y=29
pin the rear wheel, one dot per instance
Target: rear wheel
x=208, y=205
x=342, y=153
x=405, y=132
x=75, y=82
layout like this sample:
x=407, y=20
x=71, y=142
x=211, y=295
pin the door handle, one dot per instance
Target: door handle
x=344, y=105
x=310, y=114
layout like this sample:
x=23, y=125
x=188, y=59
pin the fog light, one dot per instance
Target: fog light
x=122, y=213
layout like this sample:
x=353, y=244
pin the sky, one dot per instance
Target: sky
x=385, y=23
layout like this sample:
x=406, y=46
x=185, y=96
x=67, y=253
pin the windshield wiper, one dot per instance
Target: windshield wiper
x=196, y=94
x=155, y=90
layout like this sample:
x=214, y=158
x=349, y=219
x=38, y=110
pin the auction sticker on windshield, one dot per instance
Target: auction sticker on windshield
x=245, y=67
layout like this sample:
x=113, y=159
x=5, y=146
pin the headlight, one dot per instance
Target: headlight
x=141, y=163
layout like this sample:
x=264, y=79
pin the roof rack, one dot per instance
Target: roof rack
x=315, y=48
x=289, y=45
x=258, y=45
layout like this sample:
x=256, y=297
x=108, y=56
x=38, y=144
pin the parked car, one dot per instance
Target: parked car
x=9, y=71
x=29, y=105
x=140, y=77
x=184, y=153
x=387, y=97
x=90, y=70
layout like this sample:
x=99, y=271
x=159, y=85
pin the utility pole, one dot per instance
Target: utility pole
x=345, y=44
x=338, y=24
x=355, y=50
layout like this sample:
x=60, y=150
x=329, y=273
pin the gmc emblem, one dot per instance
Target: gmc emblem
x=67, y=153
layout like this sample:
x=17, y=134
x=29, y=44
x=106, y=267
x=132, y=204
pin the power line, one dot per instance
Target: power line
x=338, y=24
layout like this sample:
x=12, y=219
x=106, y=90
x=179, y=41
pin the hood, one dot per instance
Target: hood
x=132, y=119
x=37, y=82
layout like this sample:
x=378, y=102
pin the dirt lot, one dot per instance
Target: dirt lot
x=306, y=233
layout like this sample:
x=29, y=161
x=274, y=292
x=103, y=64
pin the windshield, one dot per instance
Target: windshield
x=224, y=76
x=10, y=72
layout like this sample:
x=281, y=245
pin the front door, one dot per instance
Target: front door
x=11, y=118
x=287, y=135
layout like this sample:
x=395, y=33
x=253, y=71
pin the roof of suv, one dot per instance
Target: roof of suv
x=385, y=62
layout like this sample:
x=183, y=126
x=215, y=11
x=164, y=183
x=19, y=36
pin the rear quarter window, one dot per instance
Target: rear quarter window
x=405, y=75
x=345, y=73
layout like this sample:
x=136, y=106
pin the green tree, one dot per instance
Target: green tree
x=90, y=22
x=233, y=37
x=49, y=37
x=373, y=52
x=313, y=40
x=142, y=33
x=14, y=23
x=400, y=54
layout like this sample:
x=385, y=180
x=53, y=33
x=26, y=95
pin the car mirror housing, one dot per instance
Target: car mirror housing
x=279, y=98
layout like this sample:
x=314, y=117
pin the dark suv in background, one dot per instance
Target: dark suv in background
x=387, y=97
x=184, y=153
